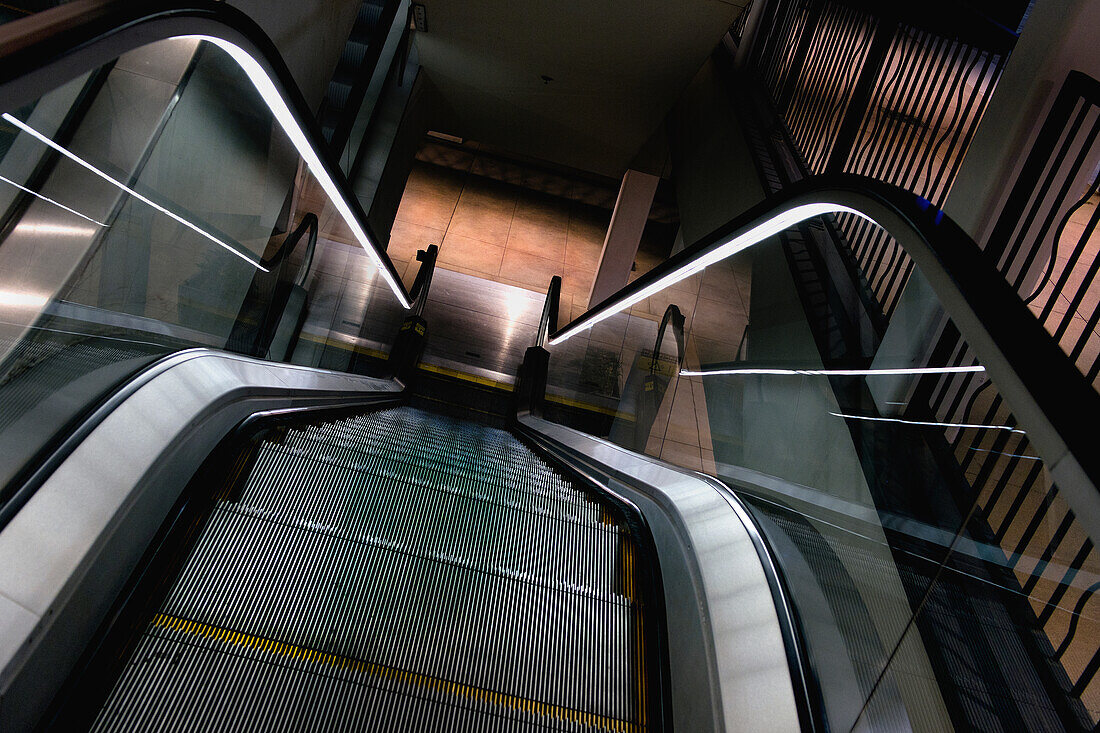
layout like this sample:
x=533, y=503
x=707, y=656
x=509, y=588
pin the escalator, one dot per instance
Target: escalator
x=206, y=531
x=399, y=570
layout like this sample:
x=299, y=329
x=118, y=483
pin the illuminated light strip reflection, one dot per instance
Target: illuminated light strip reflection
x=88, y=166
x=833, y=372
x=757, y=234
x=1010, y=455
x=51, y=201
x=928, y=424
x=270, y=94
x=22, y=300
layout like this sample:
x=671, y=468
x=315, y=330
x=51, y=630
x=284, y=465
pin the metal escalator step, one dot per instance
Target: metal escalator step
x=356, y=508
x=396, y=571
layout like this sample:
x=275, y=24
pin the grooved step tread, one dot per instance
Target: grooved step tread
x=394, y=571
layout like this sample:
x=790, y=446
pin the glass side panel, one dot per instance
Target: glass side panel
x=150, y=206
x=940, y=577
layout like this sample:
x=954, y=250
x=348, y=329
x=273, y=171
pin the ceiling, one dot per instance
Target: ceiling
x=615, y=67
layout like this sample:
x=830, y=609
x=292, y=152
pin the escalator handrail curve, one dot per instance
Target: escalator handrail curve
x=43, y=50
x=1040, y=383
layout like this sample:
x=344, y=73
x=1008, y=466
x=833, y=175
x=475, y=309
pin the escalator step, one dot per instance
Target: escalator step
x=392, y=571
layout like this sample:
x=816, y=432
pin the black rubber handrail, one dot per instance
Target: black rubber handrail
x=308, y=225
x=675, y=318
x=44, y=50
x=423, y=282
x=548, y=322
x=1041, y=384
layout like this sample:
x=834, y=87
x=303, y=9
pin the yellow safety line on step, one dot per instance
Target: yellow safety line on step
x=237, y=638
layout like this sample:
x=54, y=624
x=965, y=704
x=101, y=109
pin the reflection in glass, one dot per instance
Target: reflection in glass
x=941, y=577
x=149, y=206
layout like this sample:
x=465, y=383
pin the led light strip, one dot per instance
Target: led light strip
x=833, y=372
x=144, y=199
x=270, y=94
x=757, y=234
x=50, y=200
x=928, y=424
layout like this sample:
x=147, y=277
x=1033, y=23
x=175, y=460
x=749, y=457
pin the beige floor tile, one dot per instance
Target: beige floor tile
x=719, y=321
x=686, y=456
x=709, y=466
x=525, y=236
x=433, y=179
x=488, y=223
x=407, y=238
x=426, y=209
x=682, y=424
x=583, y=253
x=540, y=226
x=335, y=228
x=577, y=282
x=534, y=272
x=491, y=193
x=470, y=253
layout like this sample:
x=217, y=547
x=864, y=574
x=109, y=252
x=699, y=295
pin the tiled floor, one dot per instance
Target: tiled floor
x=512, y=224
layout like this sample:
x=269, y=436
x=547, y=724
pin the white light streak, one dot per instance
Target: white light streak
x=88, y=166
x=49, y=229
x=1010, y=455
x=15, y=299
x=270, y=94
x=50, y=200
x=832, y=372
x=922, y=423
x=757, y=234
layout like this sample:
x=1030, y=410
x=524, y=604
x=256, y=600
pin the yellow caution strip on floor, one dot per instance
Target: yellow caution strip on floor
x=484, y=381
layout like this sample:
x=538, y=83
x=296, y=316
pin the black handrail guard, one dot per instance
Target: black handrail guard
x=423, y=282
x=548, y=322
x=1037, y=379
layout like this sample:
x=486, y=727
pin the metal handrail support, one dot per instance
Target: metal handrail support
x=412, y=338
